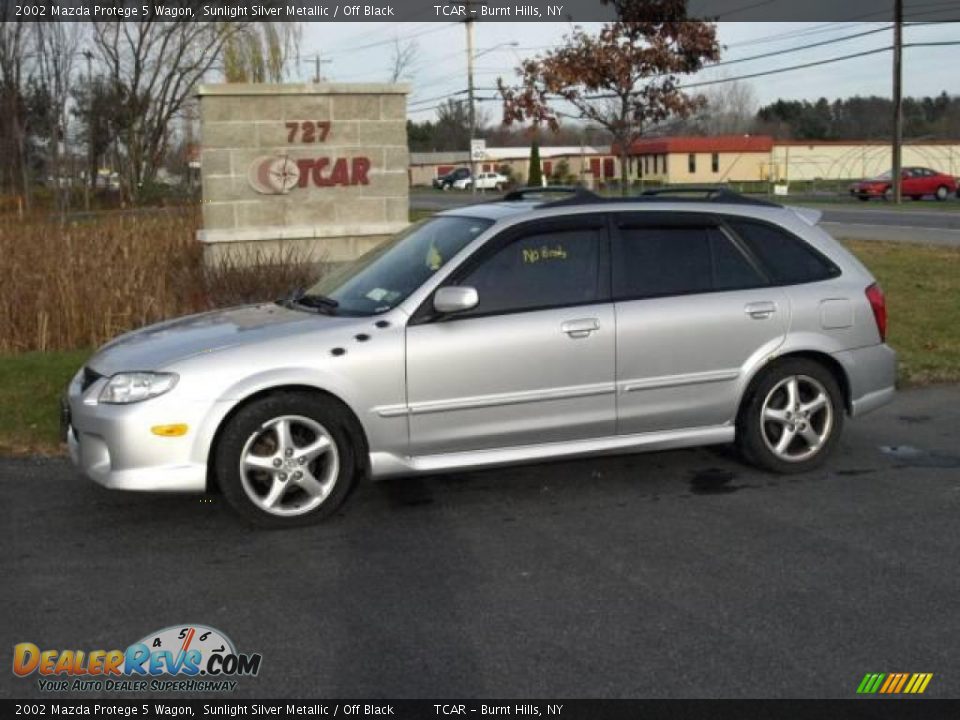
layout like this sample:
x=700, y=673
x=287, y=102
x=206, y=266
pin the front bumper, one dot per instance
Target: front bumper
x=872, y=375
x=113, y=445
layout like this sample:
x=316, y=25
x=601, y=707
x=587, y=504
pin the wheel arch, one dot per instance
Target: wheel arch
x=831, y=364
x=361, y=451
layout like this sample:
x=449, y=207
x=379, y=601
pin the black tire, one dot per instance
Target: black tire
x=750, y=438
x=863, y=198
x=498, y=187
x=888, y=194
x=916, y=198
x=251, y=419
x=942, y=193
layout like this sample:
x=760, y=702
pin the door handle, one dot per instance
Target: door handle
x=580, y=328
x=760, y=310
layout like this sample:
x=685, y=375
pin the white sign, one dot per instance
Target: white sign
x=478, y=149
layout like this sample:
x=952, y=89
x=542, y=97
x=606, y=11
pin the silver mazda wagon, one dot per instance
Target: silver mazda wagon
x=540, y=326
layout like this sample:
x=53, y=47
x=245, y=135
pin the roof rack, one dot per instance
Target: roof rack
x=576, y=191
x=578, y=195
x=711, y=193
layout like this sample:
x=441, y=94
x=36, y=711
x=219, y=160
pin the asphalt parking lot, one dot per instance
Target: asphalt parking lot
x=678, y=574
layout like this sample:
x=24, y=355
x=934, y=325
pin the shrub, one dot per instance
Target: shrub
x=78, y=284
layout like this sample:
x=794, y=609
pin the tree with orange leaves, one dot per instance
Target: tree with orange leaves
x=624, y=79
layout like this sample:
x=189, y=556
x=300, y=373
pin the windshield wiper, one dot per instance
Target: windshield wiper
x=312, y=301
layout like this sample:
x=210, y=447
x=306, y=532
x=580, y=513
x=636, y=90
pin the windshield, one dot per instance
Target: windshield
x=385, y=276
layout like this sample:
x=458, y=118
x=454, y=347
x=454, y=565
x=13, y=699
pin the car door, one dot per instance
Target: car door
x=911, y=183
x=533, y=362
x=693, y=310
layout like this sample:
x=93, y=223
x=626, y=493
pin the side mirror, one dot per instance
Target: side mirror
x=455, y=299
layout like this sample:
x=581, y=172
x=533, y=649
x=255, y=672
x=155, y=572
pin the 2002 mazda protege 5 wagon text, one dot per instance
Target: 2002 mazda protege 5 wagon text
x=518, y=330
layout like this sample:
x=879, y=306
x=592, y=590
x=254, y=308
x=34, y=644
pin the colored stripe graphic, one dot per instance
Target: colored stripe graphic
x=891, y=679
x=894, y=683
x=903, y=680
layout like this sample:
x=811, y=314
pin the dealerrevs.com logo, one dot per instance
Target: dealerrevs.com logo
x=178, y=658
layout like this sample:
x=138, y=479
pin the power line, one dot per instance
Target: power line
x=775, y=71
x=801, y=66
x=801, y=47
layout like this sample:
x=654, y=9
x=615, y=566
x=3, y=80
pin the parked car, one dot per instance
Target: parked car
x=916, y=183
x=520, y=330
x=445, y=182
x=485, y=181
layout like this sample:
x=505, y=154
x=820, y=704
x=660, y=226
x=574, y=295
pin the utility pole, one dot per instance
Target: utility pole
x=468, y=21
x=472, y=109
x=91, y=160
x=317, y=62
x=897, y=99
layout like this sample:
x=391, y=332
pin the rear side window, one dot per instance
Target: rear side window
x=787, y=259
x=661, y=261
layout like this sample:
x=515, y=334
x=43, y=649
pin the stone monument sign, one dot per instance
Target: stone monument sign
x=316, y=169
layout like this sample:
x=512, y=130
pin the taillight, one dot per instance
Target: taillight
x=878, y=303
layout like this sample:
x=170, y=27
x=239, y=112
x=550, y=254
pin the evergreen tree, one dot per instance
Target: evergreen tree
x=535, y=178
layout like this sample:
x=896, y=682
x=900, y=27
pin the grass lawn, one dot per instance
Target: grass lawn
x=30, y=388
x=922, y=284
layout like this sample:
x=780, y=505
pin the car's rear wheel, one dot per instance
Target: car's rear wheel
x=792, y=417
x=942, y=192
x=286, y=459
x=888, y=194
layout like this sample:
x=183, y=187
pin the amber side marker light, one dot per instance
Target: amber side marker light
x=169, y=430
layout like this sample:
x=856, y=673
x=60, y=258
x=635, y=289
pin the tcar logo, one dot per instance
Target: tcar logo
x=272, y=175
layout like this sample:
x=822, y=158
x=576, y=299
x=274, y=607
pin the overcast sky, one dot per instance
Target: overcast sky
x=362, y=52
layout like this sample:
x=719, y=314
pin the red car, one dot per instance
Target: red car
x=916, y=183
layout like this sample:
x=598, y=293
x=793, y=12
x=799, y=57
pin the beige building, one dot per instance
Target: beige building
x=595, y=162
x=707, y=160
x=701, y=160
x=792, y=160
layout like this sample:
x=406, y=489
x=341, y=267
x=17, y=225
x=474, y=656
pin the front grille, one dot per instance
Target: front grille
x=89, y=378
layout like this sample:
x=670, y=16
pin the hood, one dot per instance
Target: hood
x=157, y=346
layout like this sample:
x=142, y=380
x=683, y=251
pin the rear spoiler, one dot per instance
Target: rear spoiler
x=810, y=216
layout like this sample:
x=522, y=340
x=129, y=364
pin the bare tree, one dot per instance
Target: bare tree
x=56, y=48
x=13, y=39
x=403, y=59
x=259, y=52
x=153, y=68
x=731, y=109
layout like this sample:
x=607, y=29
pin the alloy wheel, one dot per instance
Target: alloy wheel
x=289, y=465
x=796, y=418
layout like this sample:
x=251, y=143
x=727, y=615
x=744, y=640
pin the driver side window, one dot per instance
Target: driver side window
x=539, y=270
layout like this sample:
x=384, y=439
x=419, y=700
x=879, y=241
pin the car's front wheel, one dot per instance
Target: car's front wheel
x=792, y=417
x=286, y=459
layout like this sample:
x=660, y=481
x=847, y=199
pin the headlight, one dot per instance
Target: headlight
x=124, y=388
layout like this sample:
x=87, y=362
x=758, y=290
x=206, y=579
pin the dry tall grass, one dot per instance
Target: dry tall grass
x=79, y=284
